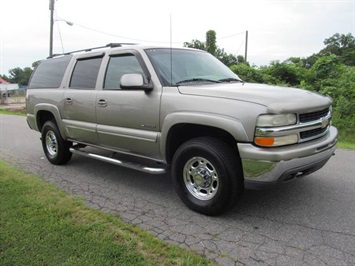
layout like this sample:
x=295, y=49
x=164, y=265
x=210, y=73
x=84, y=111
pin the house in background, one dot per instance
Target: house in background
x=6, y=88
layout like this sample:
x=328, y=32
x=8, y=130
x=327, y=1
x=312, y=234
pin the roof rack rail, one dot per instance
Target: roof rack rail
x=110, y=45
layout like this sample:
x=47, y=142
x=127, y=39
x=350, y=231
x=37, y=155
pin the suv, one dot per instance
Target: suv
x=179, y=111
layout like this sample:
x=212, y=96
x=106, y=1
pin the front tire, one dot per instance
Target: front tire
x=54, y=146
x=207, y=175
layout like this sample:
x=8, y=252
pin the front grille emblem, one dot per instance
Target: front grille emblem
x=325, y=122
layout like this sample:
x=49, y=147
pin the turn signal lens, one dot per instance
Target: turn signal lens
x=276, y=141
x=267, y=142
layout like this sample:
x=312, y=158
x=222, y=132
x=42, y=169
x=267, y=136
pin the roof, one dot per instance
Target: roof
x=2, y=81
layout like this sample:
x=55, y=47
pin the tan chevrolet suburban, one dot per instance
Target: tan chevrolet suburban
x=178, y=111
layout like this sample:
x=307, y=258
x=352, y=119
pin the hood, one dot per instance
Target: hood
x=276, y=99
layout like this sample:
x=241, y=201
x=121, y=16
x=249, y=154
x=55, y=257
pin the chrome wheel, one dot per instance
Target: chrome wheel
x=51, y=143
x=56, y=149
x=201, y=178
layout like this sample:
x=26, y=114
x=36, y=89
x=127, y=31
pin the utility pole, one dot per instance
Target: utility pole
x=51, y=8
x=246, y=47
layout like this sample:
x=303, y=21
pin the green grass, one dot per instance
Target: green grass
x=11, y=112
x=42, y=225
x=346, y=145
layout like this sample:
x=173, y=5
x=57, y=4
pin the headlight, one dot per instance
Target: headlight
x=269, y=130
x=276, y=120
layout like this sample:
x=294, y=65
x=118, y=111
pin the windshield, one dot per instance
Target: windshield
x=183, y=67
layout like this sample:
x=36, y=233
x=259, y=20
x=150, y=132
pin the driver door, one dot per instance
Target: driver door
x=127, y=120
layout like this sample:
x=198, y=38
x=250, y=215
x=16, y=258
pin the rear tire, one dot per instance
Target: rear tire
x=207, y=175
x=54, y=146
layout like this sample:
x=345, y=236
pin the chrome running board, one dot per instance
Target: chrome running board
x=130, y=165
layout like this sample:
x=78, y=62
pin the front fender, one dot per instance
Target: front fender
x=231, y=125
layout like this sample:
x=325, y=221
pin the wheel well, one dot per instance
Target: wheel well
x=181, y=133
x=43, y=117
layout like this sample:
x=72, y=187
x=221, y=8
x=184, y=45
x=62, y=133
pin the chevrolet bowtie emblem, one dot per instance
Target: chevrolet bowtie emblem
x=325, y=122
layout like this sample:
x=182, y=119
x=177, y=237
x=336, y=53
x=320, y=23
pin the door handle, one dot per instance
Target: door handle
x=102, y=103
x=69, y=100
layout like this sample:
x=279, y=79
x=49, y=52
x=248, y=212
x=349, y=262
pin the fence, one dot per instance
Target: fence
x=10, y=97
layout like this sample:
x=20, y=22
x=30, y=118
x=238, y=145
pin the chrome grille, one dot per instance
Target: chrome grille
x=313, y=133
x=307, y=117
x=309, y=126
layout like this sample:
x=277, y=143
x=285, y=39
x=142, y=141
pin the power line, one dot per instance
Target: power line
x=240, y=46
x=119, y=36
x=233, y=35
x=60, y=34
x=141, y=40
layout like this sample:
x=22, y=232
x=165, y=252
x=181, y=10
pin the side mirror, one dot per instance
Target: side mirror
x=134, y=82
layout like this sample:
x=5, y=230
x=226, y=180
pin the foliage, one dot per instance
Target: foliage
x=342, y=46
x=41, y=225
x=211, y=46
x=254, y=75
x=195, y=44
x=20, y=76
x=211, y=40
x=289, y=72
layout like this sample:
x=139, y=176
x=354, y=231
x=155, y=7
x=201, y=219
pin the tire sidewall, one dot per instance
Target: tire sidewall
x=220, y=202
x=63, y=155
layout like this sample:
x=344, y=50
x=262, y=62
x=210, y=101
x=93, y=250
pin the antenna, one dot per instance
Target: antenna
x=246, y=47
x=171, y=52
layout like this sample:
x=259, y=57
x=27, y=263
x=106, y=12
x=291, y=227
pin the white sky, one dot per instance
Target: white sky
x=277, y=29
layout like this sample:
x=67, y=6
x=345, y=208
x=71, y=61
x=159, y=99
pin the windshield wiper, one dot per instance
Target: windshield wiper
x=197, y=80
x=230, y=80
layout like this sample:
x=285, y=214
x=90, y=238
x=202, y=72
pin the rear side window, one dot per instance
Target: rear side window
x=85, y=73
x=49, y=73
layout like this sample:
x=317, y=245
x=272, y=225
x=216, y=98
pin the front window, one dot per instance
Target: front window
x=183, y=67
x=117, y=67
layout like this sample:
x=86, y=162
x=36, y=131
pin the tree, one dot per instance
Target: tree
x=338, y=42
x=195, y=44
x=4, y=77
x=211, y=46
x=287, y=72
x=21, y=76
x=35, y=64
x=253, y=75
x=341, y=45
x=26, y=75
x=15, y=75
x=211, y=40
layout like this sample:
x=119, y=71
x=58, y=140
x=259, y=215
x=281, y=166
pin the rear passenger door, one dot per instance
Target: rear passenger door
x=128, y=120
x=79, y=114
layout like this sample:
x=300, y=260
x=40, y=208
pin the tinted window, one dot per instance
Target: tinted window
x=49, y=73
x=118, y=66
x=85, y=73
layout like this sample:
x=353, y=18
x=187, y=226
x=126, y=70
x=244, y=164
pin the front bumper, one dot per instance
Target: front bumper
x=265, y=167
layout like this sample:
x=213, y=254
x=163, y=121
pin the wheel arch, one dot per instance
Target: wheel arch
x=47, y=112
x=181, y=127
